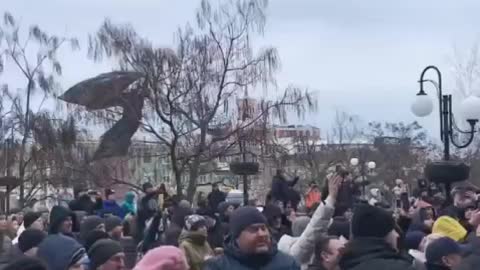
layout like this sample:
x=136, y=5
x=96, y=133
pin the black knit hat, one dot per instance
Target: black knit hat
x=29, y=218
x=26, y=263
x=112, y=222
x=94, y=236
x=243, y=217
x=146, y=186
x=371, y=221
x=100, y=252
x=30, y=238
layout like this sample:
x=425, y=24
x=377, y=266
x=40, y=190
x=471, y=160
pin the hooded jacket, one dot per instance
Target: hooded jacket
x=195, y=247
x=235, y=259
x=57, y=216
x=215, y=198
x=128, y=205
x=365, y=253
x=60, y=252
x=303, y=246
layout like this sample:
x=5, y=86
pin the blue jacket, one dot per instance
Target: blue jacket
x=111, y=207
x=234, y=259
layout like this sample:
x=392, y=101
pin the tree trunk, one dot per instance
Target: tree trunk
x=194, y=168
x=22, y=165
x=176, y=171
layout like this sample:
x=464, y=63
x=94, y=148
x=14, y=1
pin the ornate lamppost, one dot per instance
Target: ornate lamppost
x=447, y=171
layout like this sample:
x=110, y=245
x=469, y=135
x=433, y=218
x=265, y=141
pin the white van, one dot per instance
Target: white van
x=235, y=196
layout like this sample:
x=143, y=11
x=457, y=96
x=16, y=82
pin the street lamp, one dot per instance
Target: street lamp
x=371, y=165
x=470, y=108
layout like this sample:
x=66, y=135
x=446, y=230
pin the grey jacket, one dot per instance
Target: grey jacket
x=302, y=248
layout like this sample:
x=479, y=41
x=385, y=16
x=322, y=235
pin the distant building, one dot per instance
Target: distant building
x=297, y=131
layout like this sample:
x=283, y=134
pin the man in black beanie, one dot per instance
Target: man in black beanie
x=373, y=243
x=29, y=240
x=114, y=227
x=106, y=254
x=33, y=220
x=250, y=246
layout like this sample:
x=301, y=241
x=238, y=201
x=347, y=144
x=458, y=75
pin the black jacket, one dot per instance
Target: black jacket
x=234, y=259
x=372, y=254
x=172, y=233
x=147, y=208
x=57, y=216
x=215, y=198
x=282, y=189
x=216, y=235
x=82, y=203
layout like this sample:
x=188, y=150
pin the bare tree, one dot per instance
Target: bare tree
x=190, y=91
x=346, y=128
x=39, y=73
x=400, y=149
x=466, y=69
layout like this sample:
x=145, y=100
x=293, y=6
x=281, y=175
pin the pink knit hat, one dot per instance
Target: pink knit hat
x=163, y=258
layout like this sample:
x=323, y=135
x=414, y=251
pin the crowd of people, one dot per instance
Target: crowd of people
x=329, y=229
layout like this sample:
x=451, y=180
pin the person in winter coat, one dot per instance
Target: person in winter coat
x=215, y=197
x=90, y=223
x=250, y=245
x=153, y=233
x=443, y=254
x=216, y=234
x=449, y=227
x=374, y=243
x=275, y=218
x=177, y=223
x=26, y=263
x=30, y=220
x=83, y=202
x=302, y=245
x=62, y=252
x=29, y=240
x=327, y=253
x=193, y=242
x=147, y=207
x=422, y=220
x=128, y=204
x=280, y=190
x=110, y=206
x=62, y=220
x=114, y=227
x=106, y=254
x=163, y=258
x=472, y=259
x=5, y=241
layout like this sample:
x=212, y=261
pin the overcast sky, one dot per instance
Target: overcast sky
x=363, y=57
